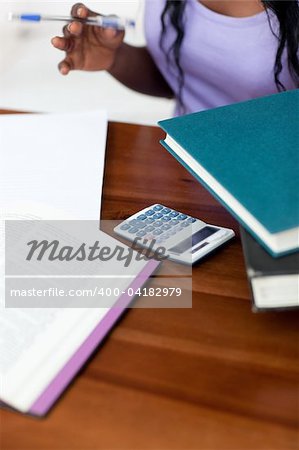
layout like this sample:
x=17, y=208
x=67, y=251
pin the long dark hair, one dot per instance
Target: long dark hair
x=287, y=13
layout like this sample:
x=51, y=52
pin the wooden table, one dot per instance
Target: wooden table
x=216, y=376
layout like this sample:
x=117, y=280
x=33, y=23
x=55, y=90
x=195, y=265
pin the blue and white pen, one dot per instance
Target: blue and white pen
x=97, y=21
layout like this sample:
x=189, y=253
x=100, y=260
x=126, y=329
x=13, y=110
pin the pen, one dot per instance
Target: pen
x=97, y=21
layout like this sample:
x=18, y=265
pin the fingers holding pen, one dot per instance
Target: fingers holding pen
x=80, y=11
x=66, y=42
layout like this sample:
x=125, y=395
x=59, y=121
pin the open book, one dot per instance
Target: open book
x=52, y=168
x=43, y=348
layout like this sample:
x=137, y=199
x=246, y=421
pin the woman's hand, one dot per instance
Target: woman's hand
x=87, y=47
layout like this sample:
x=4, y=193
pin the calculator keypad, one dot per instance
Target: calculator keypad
x=157, y=222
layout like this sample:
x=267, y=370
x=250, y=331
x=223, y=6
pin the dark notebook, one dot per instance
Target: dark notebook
x=274, y=282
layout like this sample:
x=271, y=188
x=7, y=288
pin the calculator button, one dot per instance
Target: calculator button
x=182, y=217
x=149, y=228
x=173, y=214
x=133, y=230
x=140, y=225
x=191, y=220
x=125, y=226
x=149, y=220
x=150, y=212
x=141, y=233
x=157, y=232
x=141, y=217
x=185, y=224
x=166, y=218
x=165, y=210
x=175, y=222
x=158, y=207
x=158, y=223
x=133, y=222
x=166, y=226
x=158, y=216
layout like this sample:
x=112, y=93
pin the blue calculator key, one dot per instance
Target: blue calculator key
x=191, y=220
x=157, y=216
x=185, y=224
x=141, y=217
x=165, y=210
x=173, y=214
x=125, y=226
x=174, y=222
x=166, y=218
x=149, y=220
x=158, y=223
x=158, y=207
x=166, y=226
x=149, y=228
x=141, y=233
x=133, y=230
x=150, y=212
x=182, y=217
x=157, y=232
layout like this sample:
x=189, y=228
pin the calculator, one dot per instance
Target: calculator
x=184, y=238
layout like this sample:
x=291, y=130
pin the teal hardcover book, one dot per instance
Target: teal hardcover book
x=247, y=155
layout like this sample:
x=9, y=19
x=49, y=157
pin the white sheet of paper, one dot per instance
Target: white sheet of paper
x=51, y=165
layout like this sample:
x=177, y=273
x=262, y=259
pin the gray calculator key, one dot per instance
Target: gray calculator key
x=149, y=220
x=141, y=217
x=185, y=224
x=158, y=207
x=141, y=225
x=133, y=222
x=125, y=226
x=141, y=233
x=158, y=223
x=166, y=218
x=150, y=212
x=149, y=228
x=166, y=226
x=175, y=222
x=133, y=230
x=157, y=232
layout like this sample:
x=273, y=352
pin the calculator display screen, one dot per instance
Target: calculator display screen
x=196, y=238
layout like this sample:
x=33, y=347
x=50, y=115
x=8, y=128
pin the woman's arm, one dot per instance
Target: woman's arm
x=93, y=48
x=135, y=68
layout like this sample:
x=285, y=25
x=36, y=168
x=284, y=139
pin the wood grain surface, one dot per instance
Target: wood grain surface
x=216, y=376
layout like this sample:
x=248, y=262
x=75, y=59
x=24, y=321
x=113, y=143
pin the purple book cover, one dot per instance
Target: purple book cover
x=52, y=392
